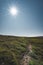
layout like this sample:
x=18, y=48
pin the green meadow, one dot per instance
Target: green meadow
x=13, y=48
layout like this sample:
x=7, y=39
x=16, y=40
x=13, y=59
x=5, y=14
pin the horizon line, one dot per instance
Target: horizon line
x=21, y=35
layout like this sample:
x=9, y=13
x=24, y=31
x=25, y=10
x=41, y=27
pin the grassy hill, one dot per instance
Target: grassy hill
x=13, y=48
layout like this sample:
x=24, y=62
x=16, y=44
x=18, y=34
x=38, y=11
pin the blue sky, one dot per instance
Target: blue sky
x=28, y=21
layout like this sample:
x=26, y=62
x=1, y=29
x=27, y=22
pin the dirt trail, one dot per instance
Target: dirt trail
x=26, y=57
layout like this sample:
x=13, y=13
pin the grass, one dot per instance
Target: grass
x=12, y=49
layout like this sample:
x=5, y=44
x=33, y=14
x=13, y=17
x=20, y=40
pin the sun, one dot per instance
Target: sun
x=13, y=10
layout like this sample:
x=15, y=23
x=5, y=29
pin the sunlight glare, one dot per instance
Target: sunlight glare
x=13, y=11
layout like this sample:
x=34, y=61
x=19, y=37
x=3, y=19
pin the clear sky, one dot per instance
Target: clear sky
x=27, y=22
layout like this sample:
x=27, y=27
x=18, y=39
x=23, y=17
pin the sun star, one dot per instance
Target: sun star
x=13, y=11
